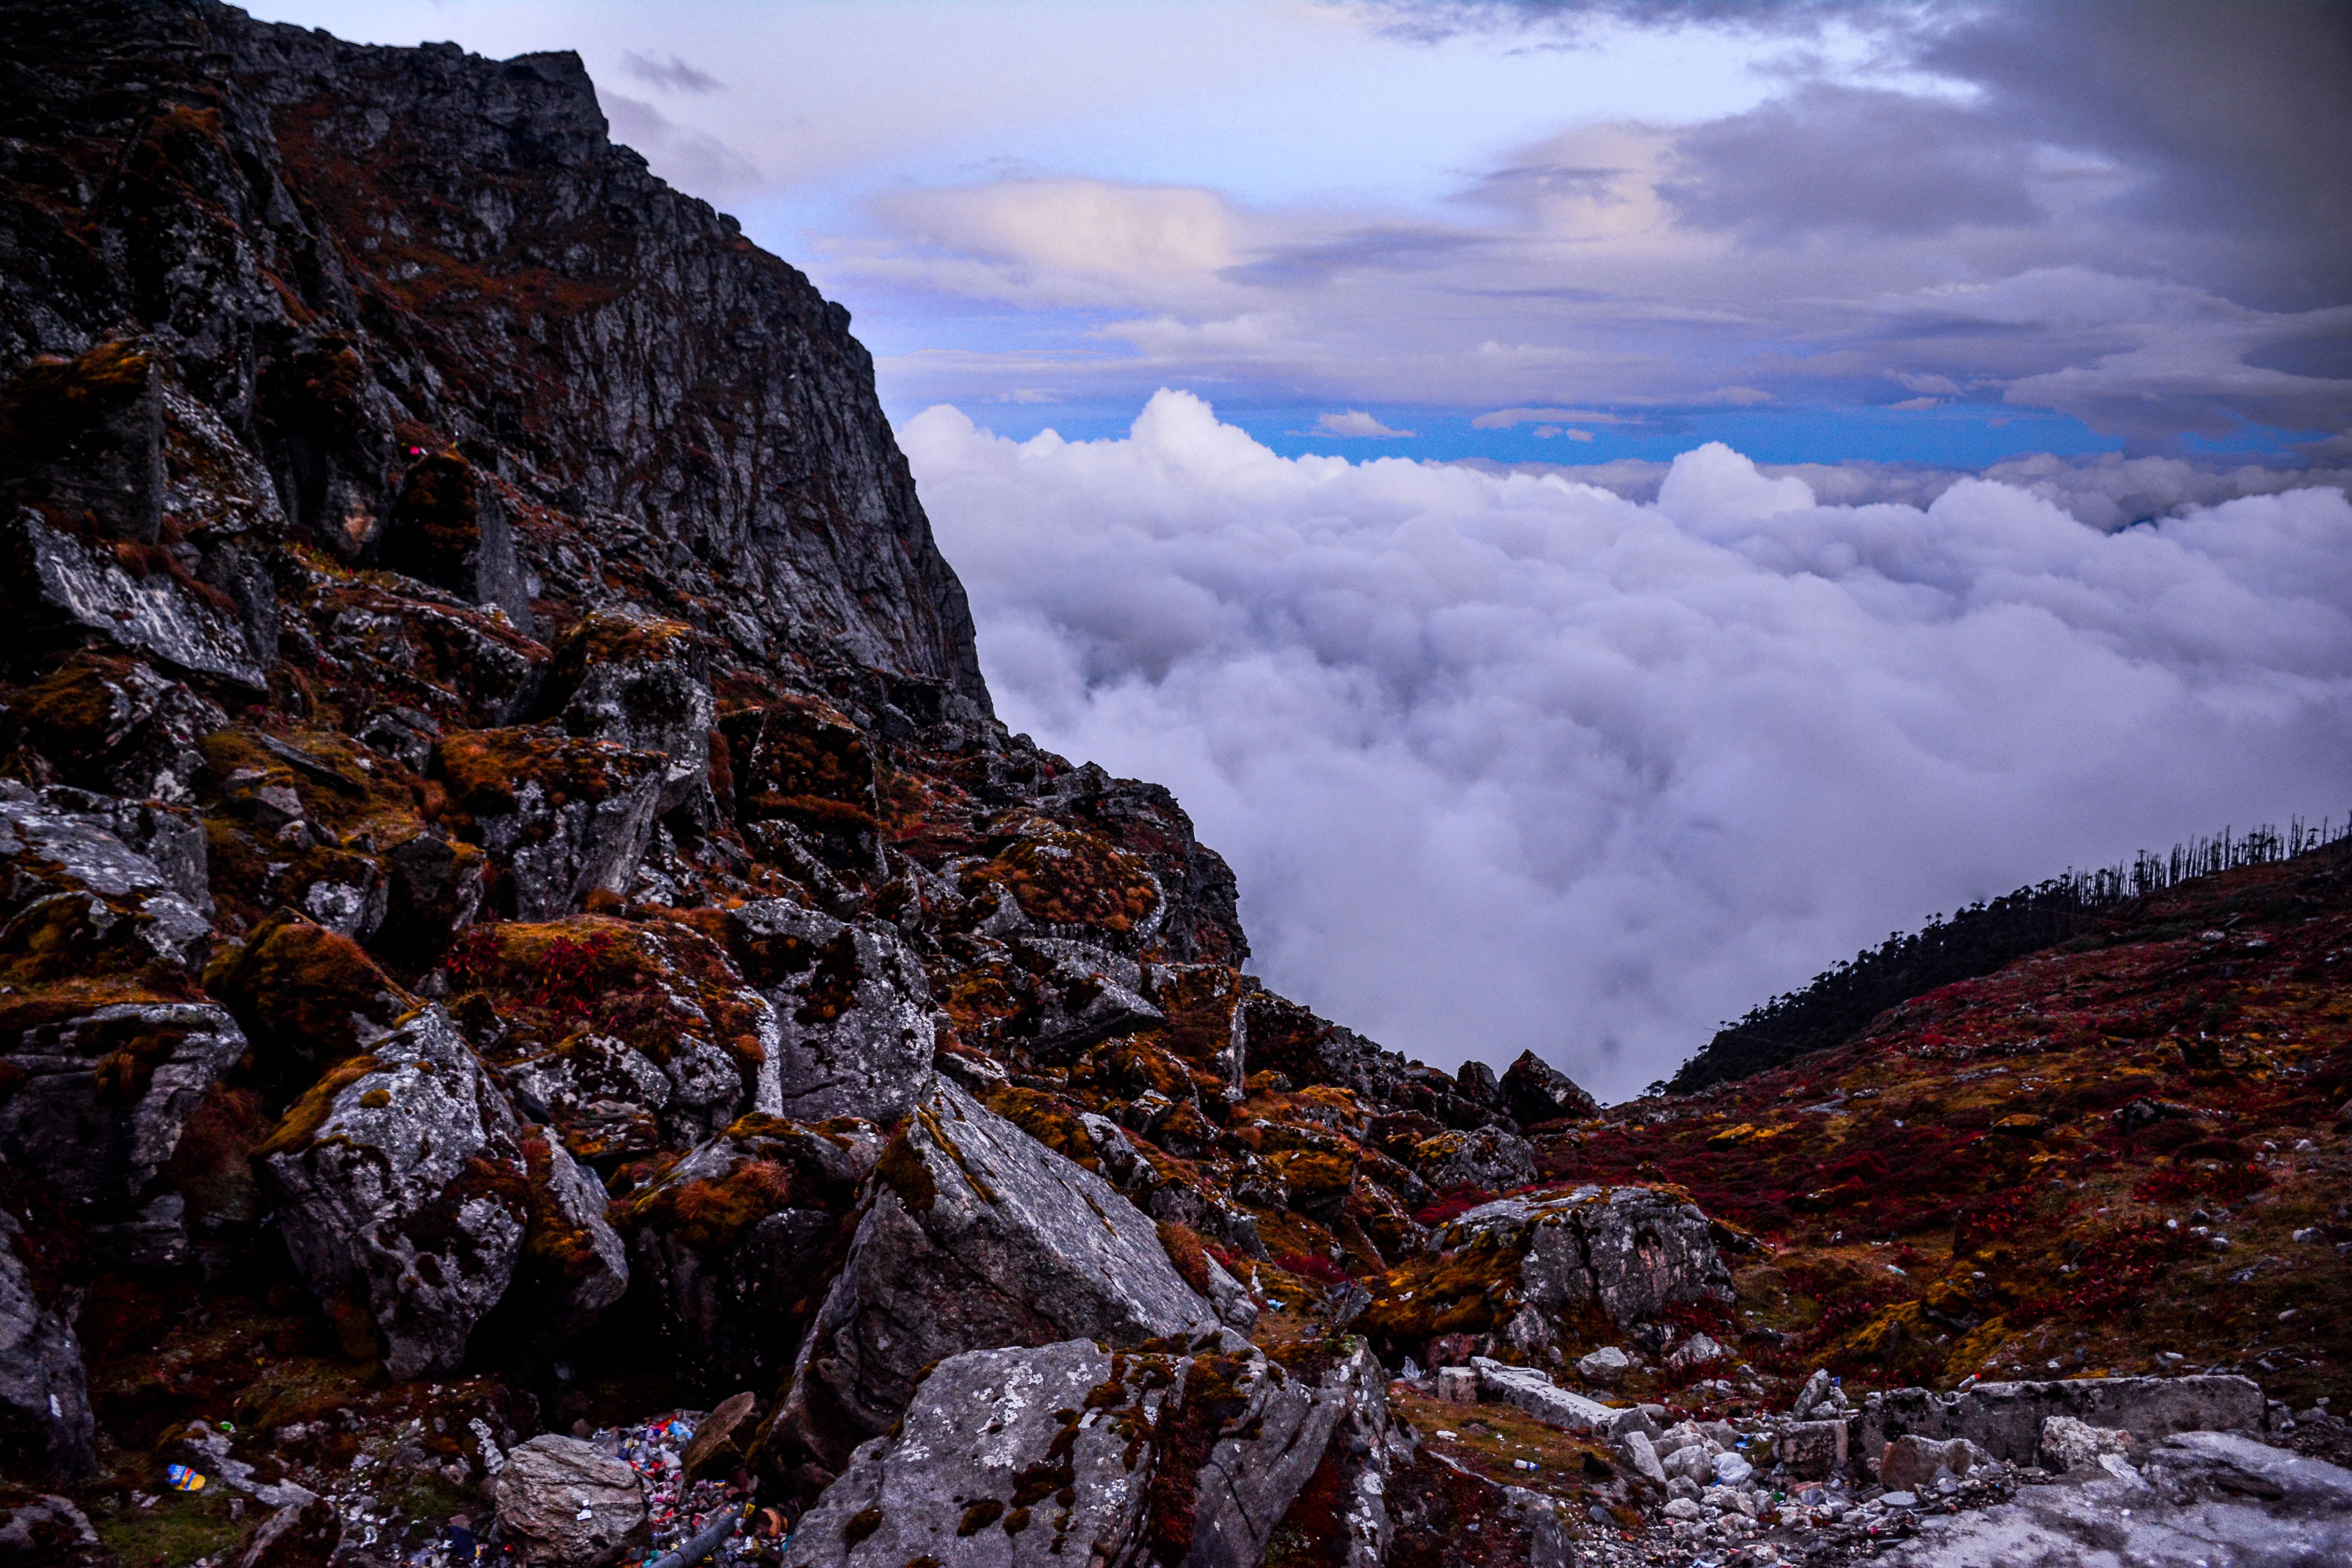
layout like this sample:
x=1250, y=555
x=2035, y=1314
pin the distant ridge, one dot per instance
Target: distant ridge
x=1842, y=1000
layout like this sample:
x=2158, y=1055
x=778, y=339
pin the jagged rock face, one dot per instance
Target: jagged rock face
x=976, y=1235
x=295, y=221
x=501, y=832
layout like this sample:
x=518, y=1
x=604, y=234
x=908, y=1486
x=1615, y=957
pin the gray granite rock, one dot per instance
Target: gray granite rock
x=67, y=585
x=1016, y=1456
x=1632, y=1251
x=1488, y=1158
x=405, y=1192
x=1285, y=1429
x=564, y=1503
x=105, y=1094
x=2215, y=1498
x=975, y=1236
x=855, y=1032
x=46, y=1428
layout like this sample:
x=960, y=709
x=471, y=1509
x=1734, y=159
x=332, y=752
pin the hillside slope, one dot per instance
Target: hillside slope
x=2127, y=1152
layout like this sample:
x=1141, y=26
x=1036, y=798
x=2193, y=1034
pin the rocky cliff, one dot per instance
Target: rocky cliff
x=534, y=989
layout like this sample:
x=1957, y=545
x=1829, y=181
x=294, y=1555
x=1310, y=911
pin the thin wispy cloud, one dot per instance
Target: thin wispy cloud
x=1356, y=423
x=673, y=73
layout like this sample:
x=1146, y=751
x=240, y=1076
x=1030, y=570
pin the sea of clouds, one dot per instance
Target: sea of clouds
x=1509, y=760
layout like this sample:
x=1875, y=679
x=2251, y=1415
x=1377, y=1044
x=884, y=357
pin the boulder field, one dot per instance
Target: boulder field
x=542, y=1017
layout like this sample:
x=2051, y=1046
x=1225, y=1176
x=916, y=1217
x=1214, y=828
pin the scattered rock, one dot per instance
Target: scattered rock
x=1605, y=1367
x=1811, y=1450
x=1642, y=1456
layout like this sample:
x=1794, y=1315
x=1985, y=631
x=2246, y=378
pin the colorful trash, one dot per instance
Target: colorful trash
x=181, y=1479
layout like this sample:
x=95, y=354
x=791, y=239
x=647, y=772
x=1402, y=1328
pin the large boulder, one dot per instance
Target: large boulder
x=976, y=1235
x=855, y=1034
x=564, y=1503
x=1073, y=1453
x=1633, y=1252
x=562, y=817
x=1085, y=995
x=104, y=1095
x=639, y=681
x=309, y=997
x=78, y=898
x=1532, y=1390
x=447, y=526
x=1273, y=1441
x=67, y=585
x=112, y=724
x=1533, y=1090
x=1486, y=1158
x=1006, y=1456
x=406, y=1197
x=46, y=1428
x=731, y=1239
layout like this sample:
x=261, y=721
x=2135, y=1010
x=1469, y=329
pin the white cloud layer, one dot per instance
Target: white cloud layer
x=1505, y=760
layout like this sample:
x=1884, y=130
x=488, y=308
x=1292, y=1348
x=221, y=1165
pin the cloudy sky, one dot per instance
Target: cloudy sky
x=1351, y=414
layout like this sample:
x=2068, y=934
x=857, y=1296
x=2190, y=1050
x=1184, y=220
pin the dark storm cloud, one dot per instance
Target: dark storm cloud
x=2231, y=119
x=1837, y=157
